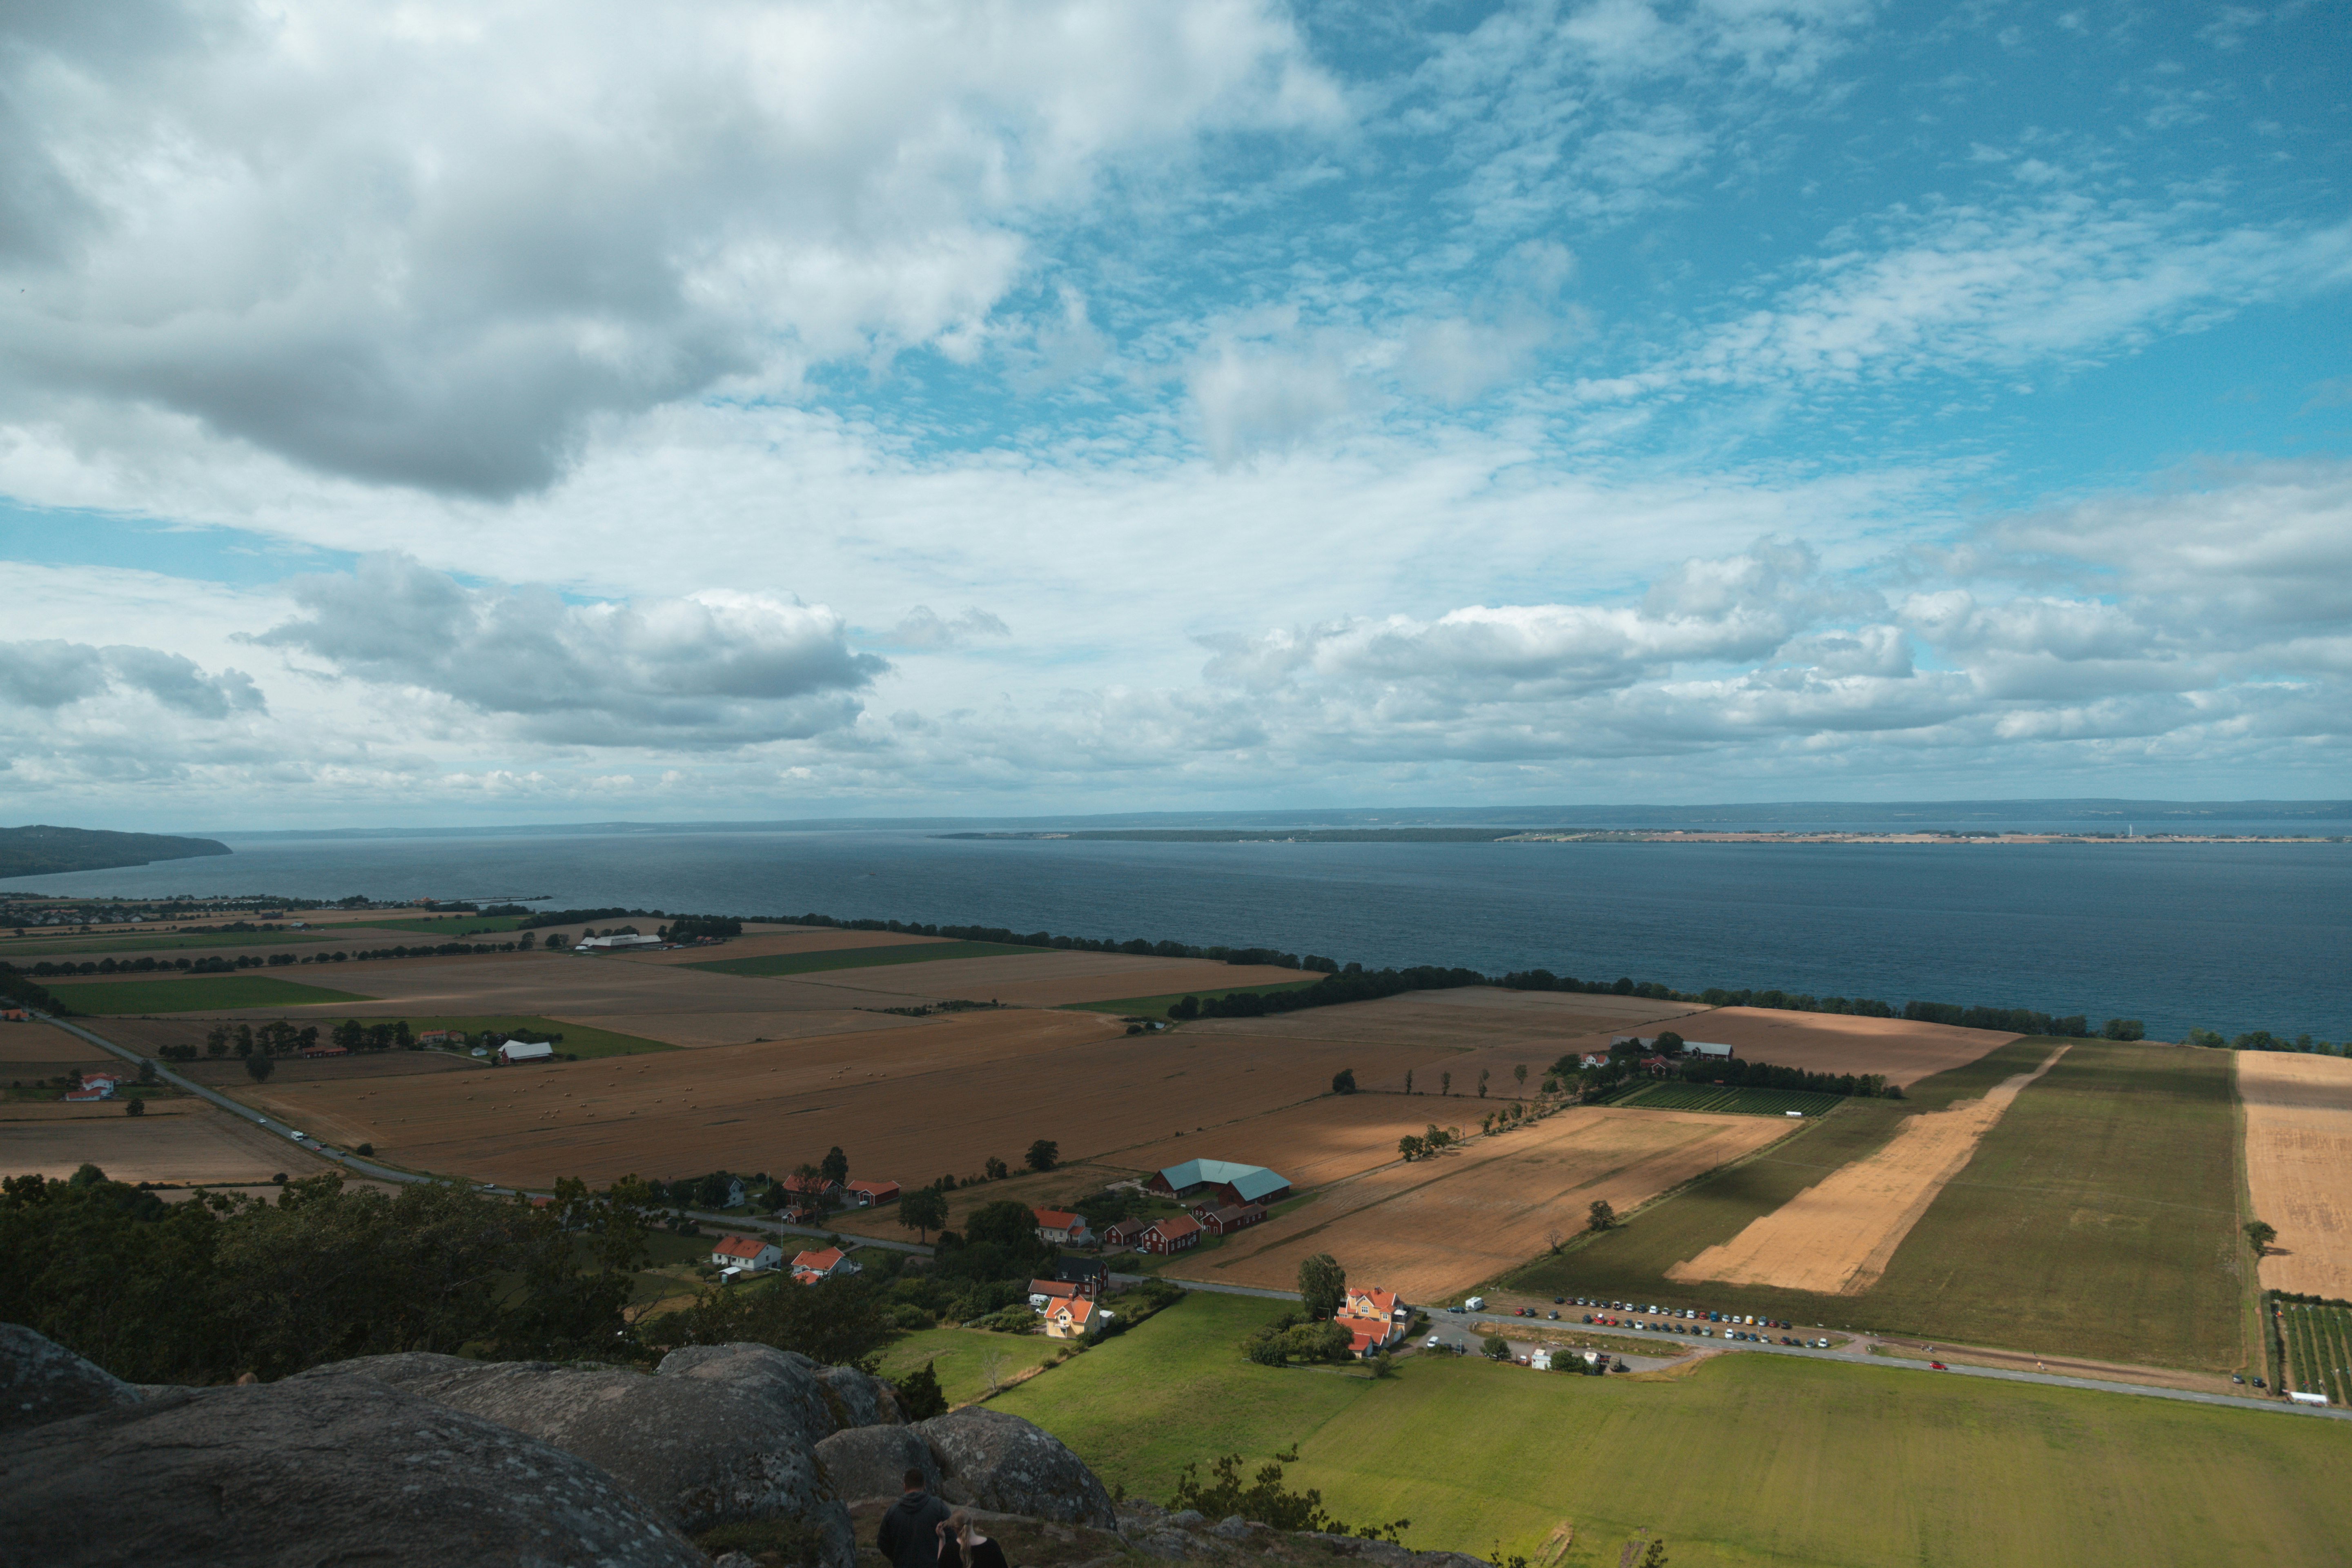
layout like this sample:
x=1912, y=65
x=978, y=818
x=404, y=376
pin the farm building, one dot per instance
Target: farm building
x=442, y=1038
x=1087, y=1273
x=746, y=1252
x=1062, y=1227
x=1071, y=1320
x=815, y=1189
x=617, y=943
x=822, y=1265
x=1230, y=1217
x=1232, y=1183
x=1176, y=1234
x=103, y=1091
x=92, y=1079
x=324, y=1048
x=1044, y=1293
x=1125, y=1233
x=14, y=1015
x=1706, y=1049
x=525, y=1051
x=1593, y=1059
x=1374, y=1317
x=865, y=1194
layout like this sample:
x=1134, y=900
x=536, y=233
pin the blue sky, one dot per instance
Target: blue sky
x=512, y=412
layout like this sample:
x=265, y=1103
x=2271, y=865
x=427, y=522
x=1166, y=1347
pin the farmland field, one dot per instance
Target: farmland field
x=27, y=1047
x=1903, y=1051
x=2097, y=1218
x=447, y=928
x=960, y=1357
x=1157, y=1006
x=1725, y=1101
x=25, y=951
x=942, y=1094
x=1034, y=979
x=1835, y=1237
x=2299, y=1166
x=1433, y=1227
x=2318, y=1342
x=861, y=956
x=183, y=1140
x=207, y=992
x=1774, y=1459
x=769, y=943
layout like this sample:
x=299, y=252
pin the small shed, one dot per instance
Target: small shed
x=867, y=1194
x=525, y=1051
x=1706, y=1048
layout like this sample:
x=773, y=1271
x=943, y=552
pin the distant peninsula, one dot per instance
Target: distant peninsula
x=41, y=850
x=1629, y=836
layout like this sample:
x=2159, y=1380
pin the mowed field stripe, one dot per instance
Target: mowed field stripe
x=1837, y=1235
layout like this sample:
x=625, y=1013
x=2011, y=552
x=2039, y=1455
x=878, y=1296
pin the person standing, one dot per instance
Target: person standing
x=962, y=1545
x=910, y=1533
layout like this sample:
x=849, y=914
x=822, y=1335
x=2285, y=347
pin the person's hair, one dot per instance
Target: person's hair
x=914, y=1481
x=960, y=1531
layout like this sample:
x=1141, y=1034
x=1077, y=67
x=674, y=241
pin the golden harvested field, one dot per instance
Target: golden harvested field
x=1836, y=1043
x=2299, y=1166
x=176, y=1141
x=29, y=1045
x=944, y=1094
x=229, y=1073
x=695, y=1030
x=1835, y=1237
x=1434, y=1228
x=1052, y=979
x=1319, y=1143
x=544, y=986
x=767, y=944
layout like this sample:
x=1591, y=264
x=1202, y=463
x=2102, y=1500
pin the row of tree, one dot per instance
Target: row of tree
x=1353, y=983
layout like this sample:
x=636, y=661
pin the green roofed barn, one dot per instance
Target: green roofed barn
x=1232, y=1184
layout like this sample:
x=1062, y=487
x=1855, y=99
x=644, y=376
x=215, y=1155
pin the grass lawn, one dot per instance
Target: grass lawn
x=862, y=957
x=960, y=1355
x=578, y=1040
x=196, y=992
x=1745, y=1460
x=30, y=948
x=2096, y=1218
x=453, y=927
x=1157, y=1006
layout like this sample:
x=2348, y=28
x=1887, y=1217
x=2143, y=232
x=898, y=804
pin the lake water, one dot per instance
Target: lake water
x=2224, y=936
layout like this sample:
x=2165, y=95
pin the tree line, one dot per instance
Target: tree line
x=1353, y=983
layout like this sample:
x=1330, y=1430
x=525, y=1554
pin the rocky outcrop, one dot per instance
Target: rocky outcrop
x=332, y=1471
x=41, y=1381
x=861, y=1399
x=1187, y=1536
x=787, y=1382
x=997, y=1461
x=699, y=1451
x=872, y=1461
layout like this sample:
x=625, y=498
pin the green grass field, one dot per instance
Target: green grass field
x=454, y=928
x=2318, y=1349
x=960, y=1356
x=578, y=1040
x=1747, y=1461
x=31, y=948
x=196, y=992
x=2096, y=1219
x=1730, y=1101
x=861, y=957
x=1157, y=1006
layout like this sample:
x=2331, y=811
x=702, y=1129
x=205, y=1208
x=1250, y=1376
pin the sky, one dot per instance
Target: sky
x=419, y=413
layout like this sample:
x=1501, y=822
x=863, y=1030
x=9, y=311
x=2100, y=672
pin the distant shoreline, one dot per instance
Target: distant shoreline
x=1623, y=835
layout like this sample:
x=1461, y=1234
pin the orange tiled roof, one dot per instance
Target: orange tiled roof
x=823, y=1262
x=739, y=1246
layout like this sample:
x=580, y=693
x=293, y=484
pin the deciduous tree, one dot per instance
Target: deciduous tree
x=1322, y=1285
x=923, y=1210
x=1599, y=1216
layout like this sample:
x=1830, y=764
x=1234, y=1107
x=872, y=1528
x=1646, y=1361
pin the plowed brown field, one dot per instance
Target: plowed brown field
x=176, y=1141
x=696, y=1030
x=915, y=1102
x=1052, y=979
x=2299, y=1166
x=45, y=1045
x=531, y=984
x=1903, y=1051
x=767, y=944
x=1835, y=1237
x=1436, y=1227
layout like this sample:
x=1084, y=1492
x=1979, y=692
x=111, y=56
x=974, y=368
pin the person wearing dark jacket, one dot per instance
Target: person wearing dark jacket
x=909, y=1536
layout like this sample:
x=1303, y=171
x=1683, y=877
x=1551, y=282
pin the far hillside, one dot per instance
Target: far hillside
x=40, y=851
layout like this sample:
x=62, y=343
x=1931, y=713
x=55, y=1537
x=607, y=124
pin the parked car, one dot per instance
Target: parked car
x=1937, y=1366
x=2235, y=1378
x=1555, y=1317
x=1434, y=1342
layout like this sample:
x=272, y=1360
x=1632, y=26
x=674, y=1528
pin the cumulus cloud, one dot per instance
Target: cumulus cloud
x=716, y=669
x=923, y=627
x=49, y=674
x=432, y=244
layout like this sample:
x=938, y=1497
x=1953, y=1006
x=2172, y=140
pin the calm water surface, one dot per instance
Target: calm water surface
x=2225, y=936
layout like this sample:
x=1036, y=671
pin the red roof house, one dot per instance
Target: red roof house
x=823, y=1264
x=1062, y=1227
x=1176, y=1234
x=865, y=1194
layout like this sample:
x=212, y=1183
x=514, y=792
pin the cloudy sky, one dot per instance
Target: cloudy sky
x=501, y=412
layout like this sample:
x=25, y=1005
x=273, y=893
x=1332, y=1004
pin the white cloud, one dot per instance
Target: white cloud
x=49, y=674
x=721, y=668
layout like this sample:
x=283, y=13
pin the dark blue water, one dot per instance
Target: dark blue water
x=2223, y=936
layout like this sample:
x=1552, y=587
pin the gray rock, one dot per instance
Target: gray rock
x=1188, y=1518
x=1233, y=1527
x=999, y=1461
x=413, y=1369
x=872, y=1461
x=41, y=1381
x=334, y=1470
x=699, y=1451
x=786, y=1381
x=735, y=1560
x=1169, y=1545
x=865, y=1400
